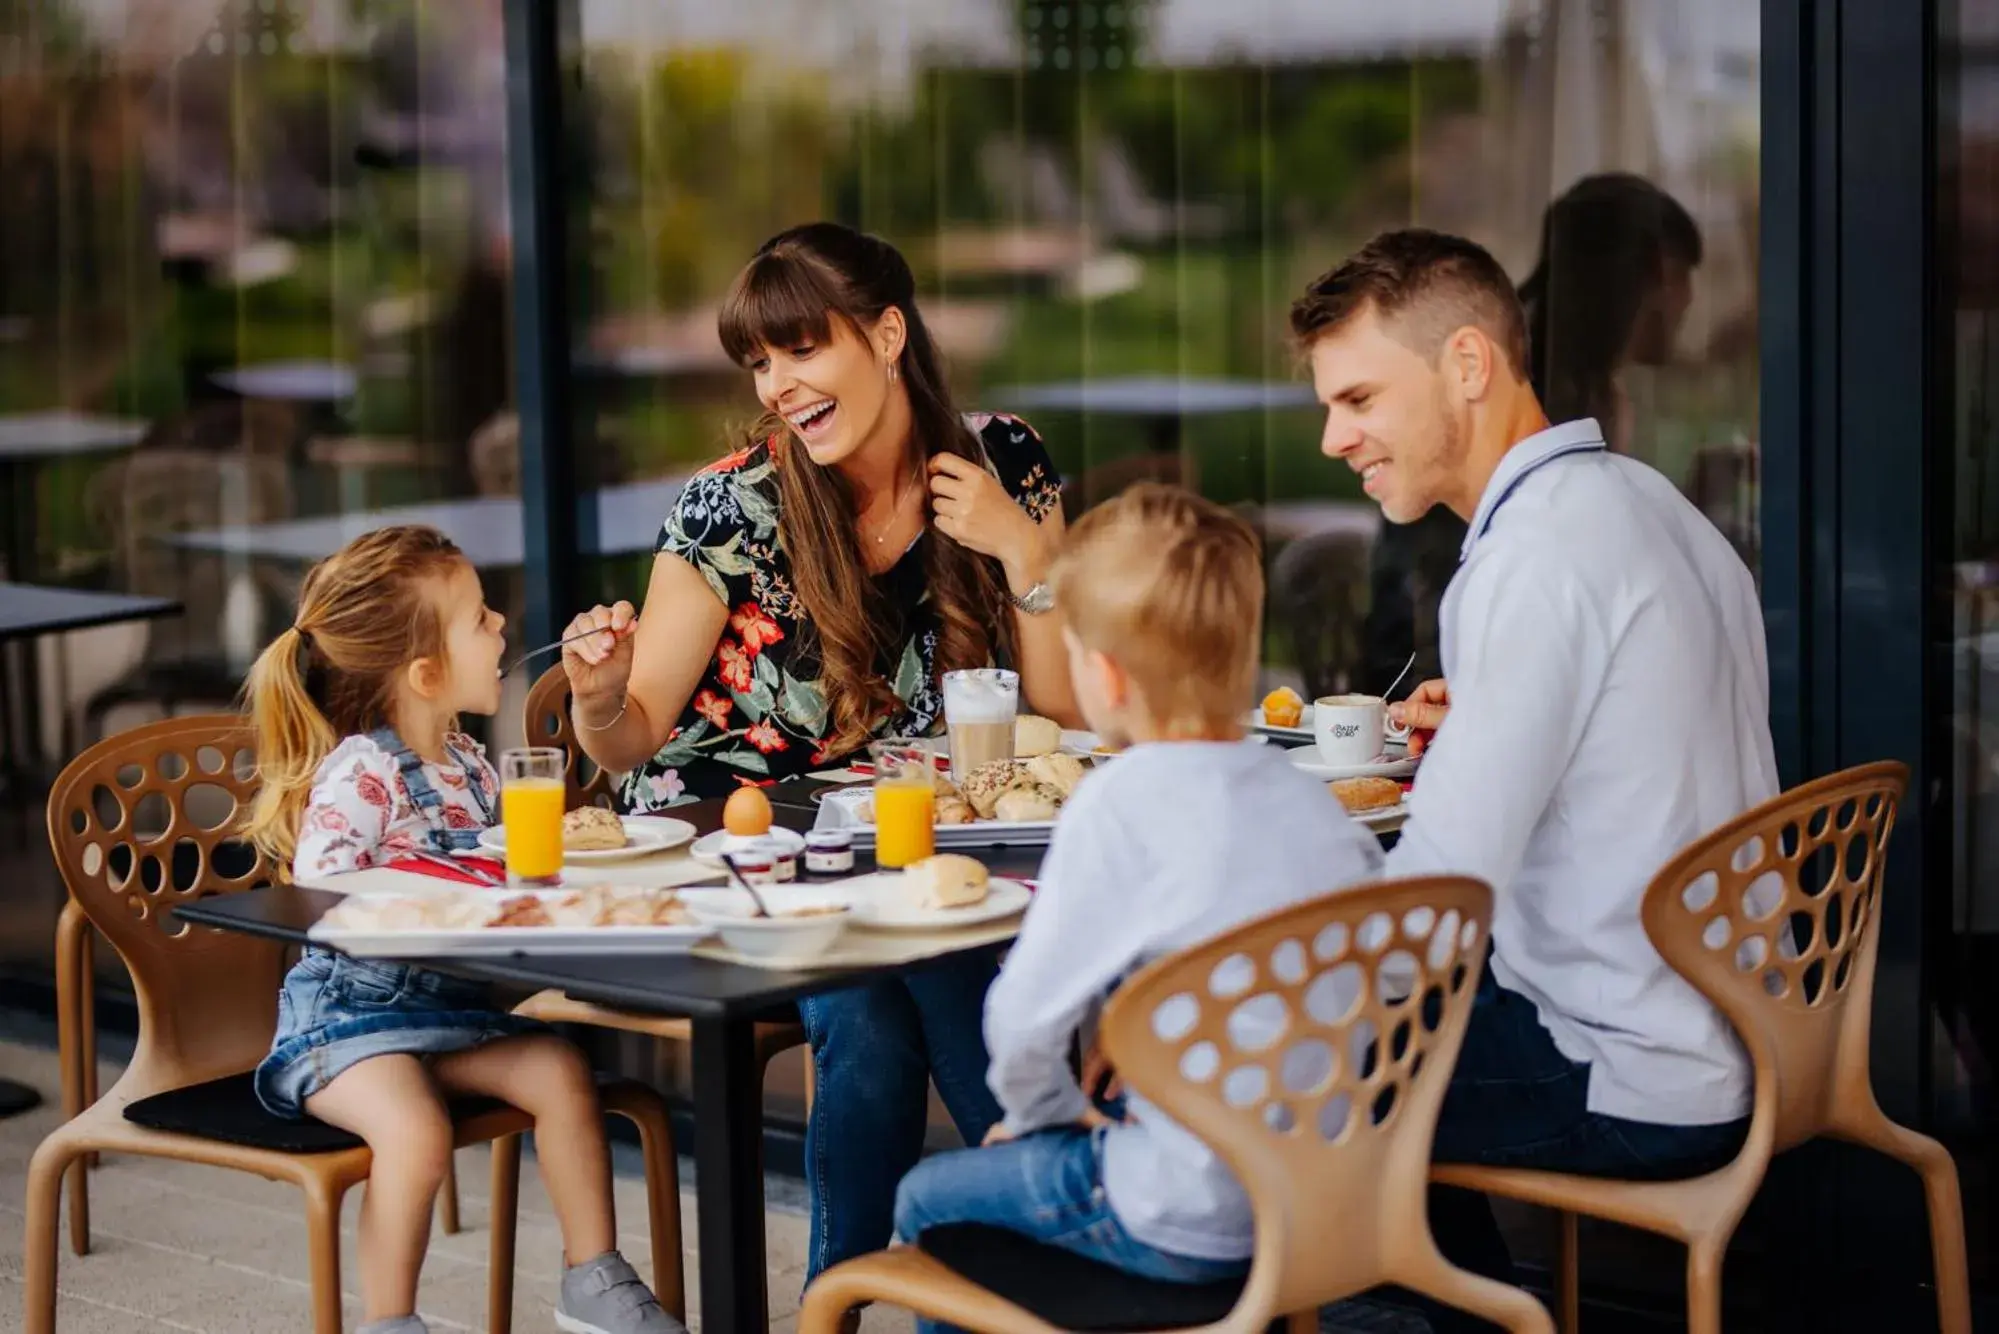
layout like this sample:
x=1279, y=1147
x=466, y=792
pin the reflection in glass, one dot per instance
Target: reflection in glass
x=254, y=297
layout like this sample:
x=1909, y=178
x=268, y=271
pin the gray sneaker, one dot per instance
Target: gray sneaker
x=395, y=1324
x=607, y=1296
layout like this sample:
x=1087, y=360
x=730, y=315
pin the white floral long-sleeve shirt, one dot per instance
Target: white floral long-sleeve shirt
x=360, y=813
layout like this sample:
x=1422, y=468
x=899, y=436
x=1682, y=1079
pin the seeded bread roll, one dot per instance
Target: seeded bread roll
x=983, y=786
x=1025, y=805
x=592, y=829
x=947, y=880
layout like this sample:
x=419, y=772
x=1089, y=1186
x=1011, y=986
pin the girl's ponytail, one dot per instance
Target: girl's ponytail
x=293, y=738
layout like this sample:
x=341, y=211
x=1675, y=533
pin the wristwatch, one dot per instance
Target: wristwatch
x=1036, y=601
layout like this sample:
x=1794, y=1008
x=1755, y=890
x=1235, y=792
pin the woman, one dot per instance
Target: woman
x=1610, y=290
x=807, y=594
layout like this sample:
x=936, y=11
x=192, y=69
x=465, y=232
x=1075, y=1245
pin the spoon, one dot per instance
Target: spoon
x=530, y=656
x=737, y=876
x=1398, y=676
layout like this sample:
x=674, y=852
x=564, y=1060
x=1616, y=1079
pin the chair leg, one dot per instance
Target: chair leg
x=1568, y=1277
x=1704, y=1287
x=87, y=1030
x=1501, y=1303
x=45, y=1175
x=662, y=1211
x=322, y=1230
x=504, y=1219
x=74, y=1054
x=1946, y=1208
x=447, y=1200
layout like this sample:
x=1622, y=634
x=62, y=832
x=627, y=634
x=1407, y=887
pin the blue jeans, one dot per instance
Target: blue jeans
x=1515, y=1101
x=875, y=1051
x=1048, y=1186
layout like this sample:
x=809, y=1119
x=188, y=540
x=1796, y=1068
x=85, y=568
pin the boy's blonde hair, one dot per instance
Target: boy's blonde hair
x=1170, y=587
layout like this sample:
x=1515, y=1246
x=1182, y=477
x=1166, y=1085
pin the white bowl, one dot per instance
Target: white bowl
x=784, y=936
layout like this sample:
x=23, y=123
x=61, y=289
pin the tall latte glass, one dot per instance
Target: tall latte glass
x=979, y=710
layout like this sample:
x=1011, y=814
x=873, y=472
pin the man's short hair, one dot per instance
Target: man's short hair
x=1424, y=286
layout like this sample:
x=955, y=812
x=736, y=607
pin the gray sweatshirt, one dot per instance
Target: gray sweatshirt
x=1170, y=845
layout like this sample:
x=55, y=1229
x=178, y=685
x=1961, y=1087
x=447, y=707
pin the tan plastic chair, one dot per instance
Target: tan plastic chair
x=1772, y=917
x=1327, y=1123
x=208, y=1005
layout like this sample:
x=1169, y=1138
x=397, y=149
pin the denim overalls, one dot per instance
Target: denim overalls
x=334, y=1010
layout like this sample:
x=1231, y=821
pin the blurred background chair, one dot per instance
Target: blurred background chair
x=223, y=465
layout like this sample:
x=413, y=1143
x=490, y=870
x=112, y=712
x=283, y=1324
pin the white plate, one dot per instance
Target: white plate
x=1307, y=759
x=486, y=942
x=837, y=811
x=709, y=847
x=1384, y=814
x=1302, y=732
x=884, y=901
x=646, y=835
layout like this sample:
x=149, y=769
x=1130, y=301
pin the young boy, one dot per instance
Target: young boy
x=1190, y=832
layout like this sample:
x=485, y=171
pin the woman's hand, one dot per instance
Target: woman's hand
x=972, y=509
x=600, y=666
x=1422, y=713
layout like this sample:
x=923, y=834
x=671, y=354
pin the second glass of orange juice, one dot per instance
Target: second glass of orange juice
x=531, y=801
x=905, y=801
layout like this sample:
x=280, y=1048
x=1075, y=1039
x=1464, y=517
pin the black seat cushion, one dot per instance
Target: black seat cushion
x=226, y=1110
x=1069, y=1291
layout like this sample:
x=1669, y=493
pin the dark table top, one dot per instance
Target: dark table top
x=674, y=984
x=27, y=610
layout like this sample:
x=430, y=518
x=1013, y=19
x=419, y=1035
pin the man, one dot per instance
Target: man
x=1607, y=703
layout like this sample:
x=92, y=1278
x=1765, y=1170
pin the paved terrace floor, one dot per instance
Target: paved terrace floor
x=195, y=1250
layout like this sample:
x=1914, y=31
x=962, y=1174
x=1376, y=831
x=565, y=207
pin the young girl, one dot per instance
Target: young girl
x=354, y=708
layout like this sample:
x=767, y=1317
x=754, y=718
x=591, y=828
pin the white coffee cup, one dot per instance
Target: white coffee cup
x=1351, y=730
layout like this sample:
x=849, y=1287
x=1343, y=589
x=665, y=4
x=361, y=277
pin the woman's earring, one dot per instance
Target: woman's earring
x=893, y=374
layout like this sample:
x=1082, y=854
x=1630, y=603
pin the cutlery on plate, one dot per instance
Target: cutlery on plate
x=756, y=898
x=485, y=878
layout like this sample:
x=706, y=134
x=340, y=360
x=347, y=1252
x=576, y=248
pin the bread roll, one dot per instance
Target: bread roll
x=947, y=880
x=983, y=786
x=1367, y=794
x=1024, y=805
x=592, y=829
x=953, y=809
x=1034, y=736
x=1059, y=771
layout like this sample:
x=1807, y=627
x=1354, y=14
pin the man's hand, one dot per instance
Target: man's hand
x=1422, y=713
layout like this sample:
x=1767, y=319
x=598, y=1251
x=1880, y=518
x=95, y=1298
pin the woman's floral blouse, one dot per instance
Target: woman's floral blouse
x=758, y=715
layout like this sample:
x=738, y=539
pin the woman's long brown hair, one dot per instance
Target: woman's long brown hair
x=798, y=283
x=365, y=613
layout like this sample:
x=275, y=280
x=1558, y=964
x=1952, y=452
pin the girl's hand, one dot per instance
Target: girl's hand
x=999, y=1134
x=971, y=508
x=600, y=666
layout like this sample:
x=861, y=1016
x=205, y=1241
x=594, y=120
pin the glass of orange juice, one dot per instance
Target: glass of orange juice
x=905, y=801
x=531, y=801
